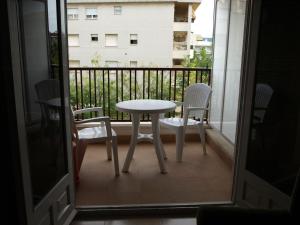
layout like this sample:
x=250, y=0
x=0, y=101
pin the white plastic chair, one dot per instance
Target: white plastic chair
x=195, y=105
x=101, y=132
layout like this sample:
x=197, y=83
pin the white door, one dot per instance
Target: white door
x=39, y=56
x=267, y=142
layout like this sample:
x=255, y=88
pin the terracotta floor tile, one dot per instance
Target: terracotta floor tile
x=198, y=178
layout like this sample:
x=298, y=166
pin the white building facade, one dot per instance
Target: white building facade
x=129, y=33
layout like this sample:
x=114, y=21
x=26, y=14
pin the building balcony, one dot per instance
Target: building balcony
x=180, y=45
x=184, y=181
x=181, y=26
x=180, y=54
x=180, y=50
x=181, y=19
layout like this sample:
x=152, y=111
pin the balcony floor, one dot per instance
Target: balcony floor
x=199, y=178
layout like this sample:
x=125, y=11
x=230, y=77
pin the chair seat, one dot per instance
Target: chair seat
x=178, y=122
x=94, y=133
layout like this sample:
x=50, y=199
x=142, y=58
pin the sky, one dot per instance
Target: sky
x=203, y=24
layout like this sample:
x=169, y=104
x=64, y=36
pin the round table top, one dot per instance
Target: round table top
x=145, y=106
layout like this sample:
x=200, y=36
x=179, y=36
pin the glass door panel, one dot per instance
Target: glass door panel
x=43, y=96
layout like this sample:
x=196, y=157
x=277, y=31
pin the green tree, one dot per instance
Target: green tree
x=96, y=60
x=201, y=59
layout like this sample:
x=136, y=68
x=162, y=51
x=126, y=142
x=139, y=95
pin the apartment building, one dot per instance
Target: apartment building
x=129, y=32
x=198, y=42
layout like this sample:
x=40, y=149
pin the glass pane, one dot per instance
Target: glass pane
x=220, y=46
x=274, y=141
x=42, y=96
x=233, y=69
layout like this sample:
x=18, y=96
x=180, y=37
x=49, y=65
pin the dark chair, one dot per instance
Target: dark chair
x=46, y=90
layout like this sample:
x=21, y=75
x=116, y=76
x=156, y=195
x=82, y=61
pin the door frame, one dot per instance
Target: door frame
x=247, y=93
x=246, y=90
x=35, y=214
x=245, y=102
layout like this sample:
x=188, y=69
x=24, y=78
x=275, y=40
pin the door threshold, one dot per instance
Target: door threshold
x=96, y=212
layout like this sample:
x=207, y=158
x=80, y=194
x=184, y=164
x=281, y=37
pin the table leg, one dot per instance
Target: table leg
x=157, y=142
x=134, y=136
x=161, y=144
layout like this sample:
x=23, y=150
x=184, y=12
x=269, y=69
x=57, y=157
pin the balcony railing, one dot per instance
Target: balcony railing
x=179, y=45
x=90, y=87
x=181, y=19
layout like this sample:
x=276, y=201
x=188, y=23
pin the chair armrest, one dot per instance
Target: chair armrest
x=188, y=109
x=95, y=119
x=87, y=110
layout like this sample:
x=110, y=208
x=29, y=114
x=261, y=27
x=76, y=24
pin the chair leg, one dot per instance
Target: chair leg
x=202, y=137
x=179, y=144
x=108, y=149
x=115, y=155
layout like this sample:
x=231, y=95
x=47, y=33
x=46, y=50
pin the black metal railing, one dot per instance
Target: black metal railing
x=90, y=87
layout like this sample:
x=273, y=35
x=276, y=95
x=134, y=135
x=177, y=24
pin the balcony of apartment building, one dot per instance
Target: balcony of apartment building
x=181, y=17
x=180, y=45
x=198, y=178
x=184, y=14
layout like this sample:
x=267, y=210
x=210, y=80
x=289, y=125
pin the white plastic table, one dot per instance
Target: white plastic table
x=154, y=108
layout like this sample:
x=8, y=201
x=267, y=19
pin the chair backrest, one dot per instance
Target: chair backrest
x=47, y=89
x=263, y=96
x=197, y=95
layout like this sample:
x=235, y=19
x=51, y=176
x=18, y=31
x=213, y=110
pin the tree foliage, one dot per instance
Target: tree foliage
x=200, y=59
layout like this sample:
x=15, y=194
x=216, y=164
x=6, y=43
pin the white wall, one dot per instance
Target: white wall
x=152, y=22
x=227, y=67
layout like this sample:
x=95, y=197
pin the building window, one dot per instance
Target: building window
x=133, y=39
x=133, y=63
x=74, y=63
x=73, y=39
x=111, y=40
x=117, y=10
x=91, y=13
x=72, y=13
x=94, y=37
